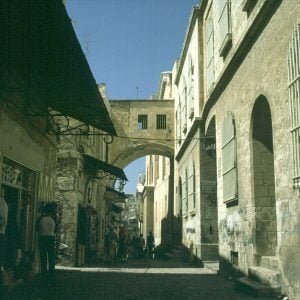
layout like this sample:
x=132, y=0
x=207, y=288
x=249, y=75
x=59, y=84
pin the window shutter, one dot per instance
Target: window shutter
x=210, y=53
x=229, y=168
x=294, y=100
x=184, y=196
x=224, y=25
x=191, y=185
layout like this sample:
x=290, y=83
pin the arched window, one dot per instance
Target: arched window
x=229, y=166
x=294, y=100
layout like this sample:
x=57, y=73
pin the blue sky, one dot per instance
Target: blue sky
x=128, y=43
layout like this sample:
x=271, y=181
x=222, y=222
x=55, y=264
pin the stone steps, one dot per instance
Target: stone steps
x=254, y=288
x=263, y=280
x=265, y=276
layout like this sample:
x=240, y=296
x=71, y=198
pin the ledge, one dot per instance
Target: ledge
x=185, y=142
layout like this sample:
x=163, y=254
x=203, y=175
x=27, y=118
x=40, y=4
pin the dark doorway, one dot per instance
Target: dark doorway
x=263, y=179
x=209, y=202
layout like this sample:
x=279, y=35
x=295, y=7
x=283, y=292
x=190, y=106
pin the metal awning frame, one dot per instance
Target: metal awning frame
x=99, y=169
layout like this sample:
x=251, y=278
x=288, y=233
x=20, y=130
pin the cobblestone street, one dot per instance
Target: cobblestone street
x=136, y=279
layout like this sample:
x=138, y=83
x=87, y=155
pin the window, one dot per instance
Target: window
x=210, y=68
x=142, y=121
x=185, y=205
x=163, y=167
x=225, y=26
x=161, y=122
x=294, y=100
x=191, y=88
x=156, y=159
x=178, y=122
x=184, y=107
x=186, y=191
x=191, y=185
x=229, y=168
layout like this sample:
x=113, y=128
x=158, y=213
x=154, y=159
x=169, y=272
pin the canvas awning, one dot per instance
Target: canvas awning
x=116, y=208
x=93, y=164
x=114, y=195
x=40, y=51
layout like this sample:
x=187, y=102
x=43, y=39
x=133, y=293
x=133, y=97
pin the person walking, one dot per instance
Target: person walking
x=141, y=246
x=150, y=245
x=46, y=229
x=113, y=242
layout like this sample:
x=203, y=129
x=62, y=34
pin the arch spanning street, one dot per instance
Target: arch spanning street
x=140, y=131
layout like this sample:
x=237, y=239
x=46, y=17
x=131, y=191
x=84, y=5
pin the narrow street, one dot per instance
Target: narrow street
x=135, y=279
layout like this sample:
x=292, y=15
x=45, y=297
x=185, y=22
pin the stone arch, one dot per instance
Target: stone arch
x=132, y=153
x=263, y=178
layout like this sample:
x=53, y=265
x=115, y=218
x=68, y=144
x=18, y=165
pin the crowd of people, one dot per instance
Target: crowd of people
x=120, y=246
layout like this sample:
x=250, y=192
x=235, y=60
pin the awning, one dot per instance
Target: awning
x=94, y=164
x=116, y=208
x=40, y=50
x=114, y=195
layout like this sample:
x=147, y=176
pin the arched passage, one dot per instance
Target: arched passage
x=136, y=151
x=263, y=179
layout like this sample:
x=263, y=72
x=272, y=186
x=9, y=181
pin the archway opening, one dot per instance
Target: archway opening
x=263, y=179
x=209, y=203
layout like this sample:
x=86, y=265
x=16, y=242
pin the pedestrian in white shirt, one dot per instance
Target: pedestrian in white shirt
x=46, y=229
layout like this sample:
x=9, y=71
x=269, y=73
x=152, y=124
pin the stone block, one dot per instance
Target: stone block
x=264, y=201
x=65, y=183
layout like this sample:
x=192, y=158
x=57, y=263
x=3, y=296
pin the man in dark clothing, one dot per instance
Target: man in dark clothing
x=150, y=244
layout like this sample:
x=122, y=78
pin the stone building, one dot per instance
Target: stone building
x=44, y=76
x=249, y=139
x=195, y=189
x=155, y=196
x=85, y=190
x=236, y=171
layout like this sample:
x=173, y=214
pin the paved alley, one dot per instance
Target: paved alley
x=136, y=279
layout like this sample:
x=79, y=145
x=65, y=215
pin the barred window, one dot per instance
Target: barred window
x=210, y=68
x=224, y=26
x=161, y=122
x=294, y=100
x=142, y=121
x=229, y=167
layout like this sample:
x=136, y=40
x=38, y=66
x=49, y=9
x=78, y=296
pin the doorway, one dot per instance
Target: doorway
x=263, y=179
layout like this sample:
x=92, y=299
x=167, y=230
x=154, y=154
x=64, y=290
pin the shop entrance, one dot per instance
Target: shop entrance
x=11, y=196
x=18, y=184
